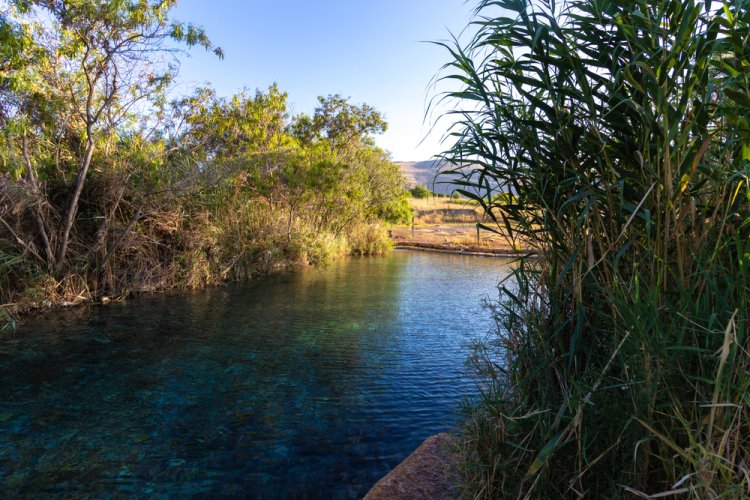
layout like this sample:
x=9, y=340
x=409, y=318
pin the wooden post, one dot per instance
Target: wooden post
x=412, y=227
x=478, y=244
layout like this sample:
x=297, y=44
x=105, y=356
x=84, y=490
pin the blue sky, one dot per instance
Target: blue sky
x=369, y=50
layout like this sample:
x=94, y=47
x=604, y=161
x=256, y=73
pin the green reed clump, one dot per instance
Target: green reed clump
x=620, y=132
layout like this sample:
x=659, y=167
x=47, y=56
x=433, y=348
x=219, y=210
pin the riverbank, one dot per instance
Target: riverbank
x=459, y=250
x=189, y=260
x=451, y=225
x=456, y=238
x=449, y=234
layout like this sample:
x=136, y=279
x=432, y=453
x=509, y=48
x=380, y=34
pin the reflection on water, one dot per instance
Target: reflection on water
x=305, y=385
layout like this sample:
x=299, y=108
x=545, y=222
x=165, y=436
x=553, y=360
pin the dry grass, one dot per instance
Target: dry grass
x=448, y=235
x=437, y=210
x=442, y=221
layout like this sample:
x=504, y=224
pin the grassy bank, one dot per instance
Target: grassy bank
x=187, y=243
x=620, y=364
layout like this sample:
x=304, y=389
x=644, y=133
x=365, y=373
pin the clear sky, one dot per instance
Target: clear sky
x=372, y=51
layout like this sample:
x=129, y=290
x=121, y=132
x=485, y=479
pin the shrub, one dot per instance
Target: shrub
x=397, y=212
x=420, y=192
x=370, y=239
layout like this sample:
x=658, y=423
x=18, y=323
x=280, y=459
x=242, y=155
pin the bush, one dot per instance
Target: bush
x=319, y=249
x=420, y=192
x=370, y=239
x=397, y=212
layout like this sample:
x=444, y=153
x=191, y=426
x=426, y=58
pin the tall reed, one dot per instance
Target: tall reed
x=621, y=363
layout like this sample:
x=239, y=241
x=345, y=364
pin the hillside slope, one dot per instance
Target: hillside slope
x=431, y=173
x=425, y=173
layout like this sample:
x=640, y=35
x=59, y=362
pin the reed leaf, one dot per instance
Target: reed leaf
x=620, y=130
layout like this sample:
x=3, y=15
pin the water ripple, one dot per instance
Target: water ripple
x=304, y=385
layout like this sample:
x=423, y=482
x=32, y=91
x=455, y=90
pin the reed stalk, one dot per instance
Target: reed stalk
x=620, y=365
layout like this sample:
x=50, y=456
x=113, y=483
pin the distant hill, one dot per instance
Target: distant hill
x=424, y=173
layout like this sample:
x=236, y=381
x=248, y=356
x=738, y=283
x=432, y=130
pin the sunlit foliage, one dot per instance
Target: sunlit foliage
x=112, y=183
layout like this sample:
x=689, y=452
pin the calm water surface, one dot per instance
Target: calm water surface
x=305, y=385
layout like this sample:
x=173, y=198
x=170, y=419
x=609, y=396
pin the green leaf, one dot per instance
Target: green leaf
x=544, y=454
x=741, y=98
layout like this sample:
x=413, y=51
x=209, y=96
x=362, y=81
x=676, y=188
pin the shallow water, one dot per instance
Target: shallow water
x=306, y=385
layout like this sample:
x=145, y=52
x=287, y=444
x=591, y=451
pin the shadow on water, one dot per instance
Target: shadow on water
x=304, y=385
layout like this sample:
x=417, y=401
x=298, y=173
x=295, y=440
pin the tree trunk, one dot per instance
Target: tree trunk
x=289, y=223
x=37, y=208
x=72, y=208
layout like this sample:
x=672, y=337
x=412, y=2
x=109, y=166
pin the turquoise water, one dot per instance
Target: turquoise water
x=305, y=385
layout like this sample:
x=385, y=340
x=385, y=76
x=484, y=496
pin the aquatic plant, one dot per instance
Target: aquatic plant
x=619, y=133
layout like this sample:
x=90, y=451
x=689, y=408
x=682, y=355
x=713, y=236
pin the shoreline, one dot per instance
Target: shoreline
x=16, y=315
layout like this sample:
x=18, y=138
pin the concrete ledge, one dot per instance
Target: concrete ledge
x=464, y=250
x=429, y=473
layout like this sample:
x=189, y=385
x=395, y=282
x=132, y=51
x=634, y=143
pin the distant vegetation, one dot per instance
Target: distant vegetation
x=423, y=192
x=110, y=184
x=621, y=363
x=420, y=192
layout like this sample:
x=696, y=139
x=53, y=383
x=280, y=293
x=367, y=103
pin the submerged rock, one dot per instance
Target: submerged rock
x=428, y=473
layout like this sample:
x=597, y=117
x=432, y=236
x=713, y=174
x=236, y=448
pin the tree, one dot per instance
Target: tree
x=102, y=60
x=211, y=132
x=345, y=126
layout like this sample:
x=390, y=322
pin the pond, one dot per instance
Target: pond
x=312, y=384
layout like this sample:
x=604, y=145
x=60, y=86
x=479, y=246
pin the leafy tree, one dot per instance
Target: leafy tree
x=99, y=64
x=228, y=128
x=211, y=138
x=344, y=125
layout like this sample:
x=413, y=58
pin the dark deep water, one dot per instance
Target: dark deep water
x=306, y=385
